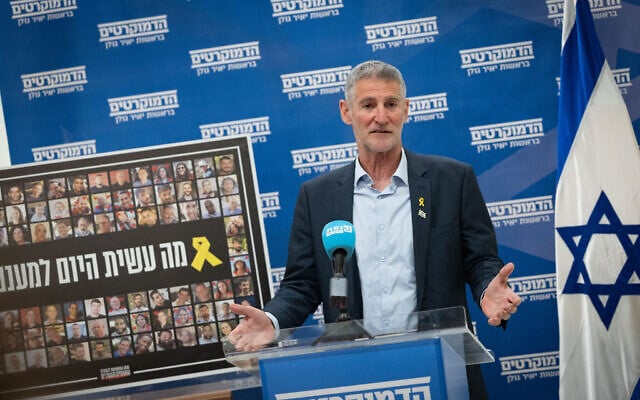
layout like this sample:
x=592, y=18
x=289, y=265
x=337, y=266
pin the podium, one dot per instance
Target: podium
x=416, y=356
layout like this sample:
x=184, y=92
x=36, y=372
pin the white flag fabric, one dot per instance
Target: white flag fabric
x=597, y=223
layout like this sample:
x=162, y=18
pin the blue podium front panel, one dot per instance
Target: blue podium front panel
x=410, y=370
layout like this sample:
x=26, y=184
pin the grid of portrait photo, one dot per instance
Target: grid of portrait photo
x=124, y=324
x=123, y=198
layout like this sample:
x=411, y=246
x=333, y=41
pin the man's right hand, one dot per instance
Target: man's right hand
x=254, y=331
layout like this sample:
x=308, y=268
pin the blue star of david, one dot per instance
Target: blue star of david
x=626, y=235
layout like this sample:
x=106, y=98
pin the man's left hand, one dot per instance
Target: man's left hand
x=499, y=301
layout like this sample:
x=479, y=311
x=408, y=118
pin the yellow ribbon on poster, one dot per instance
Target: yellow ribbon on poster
x=201, y=244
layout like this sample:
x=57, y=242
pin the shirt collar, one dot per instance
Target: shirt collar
x=400, y=176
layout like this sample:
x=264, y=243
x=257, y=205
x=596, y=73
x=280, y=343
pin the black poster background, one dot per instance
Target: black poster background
x=138, y=367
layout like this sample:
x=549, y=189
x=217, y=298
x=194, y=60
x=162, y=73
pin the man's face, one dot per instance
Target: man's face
x=147, y=218
x=165, y=196
x=95, y=308
x=98, y=330
x=120, y=178
x=145, y=196
x=31, y=317
x=99, y=348
x=144, y=342
x=83, y=225
x=167, y=214
x=104, y=224
x=165, y=338
x=14, y=194
x=245, y=286
x=201, y=292
x=158, y=299
x=192, y=211
x=36, y=190
x=226, y=165
x=79, y=352
x=52, y=313
x=73, y=309
x=41, y=232
x=76, y=331
x=207, y=332
x=78, y=185
x=97, y=180
x=124, y=199
x=120, y=325
x=63, y=229
x=183, y=295
x=204, y=313
x=143, y=175
x=114, y=302
x=186, y=189
x=376, y=115
x=137, y=300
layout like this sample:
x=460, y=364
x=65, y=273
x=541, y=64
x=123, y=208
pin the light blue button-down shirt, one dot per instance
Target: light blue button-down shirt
x=384, y=246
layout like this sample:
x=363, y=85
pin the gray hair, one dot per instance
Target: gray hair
x=373, y=69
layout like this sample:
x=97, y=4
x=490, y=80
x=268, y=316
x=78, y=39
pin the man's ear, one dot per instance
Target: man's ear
x=345, y=112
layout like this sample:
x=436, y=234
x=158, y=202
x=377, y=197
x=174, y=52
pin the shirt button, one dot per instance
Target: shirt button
x=380, y=227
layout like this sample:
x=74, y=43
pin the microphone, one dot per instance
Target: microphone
x=339, y=239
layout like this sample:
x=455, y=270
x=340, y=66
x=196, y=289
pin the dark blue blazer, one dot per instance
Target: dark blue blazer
x=454, y=242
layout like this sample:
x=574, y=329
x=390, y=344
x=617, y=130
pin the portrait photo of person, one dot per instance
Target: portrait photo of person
x=243, y=287
x=56, y=188
x=204, y=313
x=228, y=185
x=210, y=208
x=141, y=176
x=98, y=328
x=225, y=164
x=52, y=314
x=186, y=337
x=138, y=302
x=186, y=191
x=73, y=311
x=59, y=208
x=15, y=362
x=13, y=194
x=34, y=191
x=201, y=292
x=225, y=328
x=120, y=179
x=165, y=194
x=34, y=338
x=123, y=347
x=98, y=182
x=204, y=167
x=183, y=170
x=55, y=335
x=145, y=196
x=180, y=295
x=126, y=220
x=222, y=289
x=4, y=237
x=168, y=214
x=37, y=212
x=165, y=340
x=40, y=232
x=79, y=352
x=144, y=344
x=237, y=245
x=189, y=211
x=77, y=185
x=30, y=317
x=159, y=298
x=83, y=227
x=234, y=225
x=147, y=217
x=182, y=316
x=223, y=310
x=16, y=214
x=207, y=188
x=2, y=218
x=19, y=235
x=231, y=205
x=101, y=202
x=10, y=320
x=117, y=305
x=12, y=341
x=240, y=266
x=62, y=229
x=100, y=349
x=95, y=307
x=36, y=359
x=76, y=331
x=58, y=356
x=80, y=205
x=123, y=200
x=119, y=325
x=207, y=334
x=141, y=322
x=162, y=173
x=104, y=223
x=162, y=319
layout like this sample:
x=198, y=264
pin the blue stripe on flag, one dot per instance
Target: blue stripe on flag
x=581, y=63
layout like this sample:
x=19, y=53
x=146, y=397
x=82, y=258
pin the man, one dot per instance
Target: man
x=182, y=297
x=165, y=194
x=98, y=184
x=98, y=328
x=144, y=344
x=103, y=224
x=78, y=353
x=83, y=227
x=14, y=195
x=145, y=197
x=165, y=340
x=450, y=239
x=100, y=352
x=139, y=303
x=187, y=192
x=115, y=306
x=62, y=229
x=204, y=314
x=77, y=332
x=124, y=348
x=226, y=165
x=37, y=192
x=203, y=294
x=121, y=181
x=147, y=217
x=168, y=212
x=78, y=185
x=208, y=334
x=95, y=308
x=125, y=203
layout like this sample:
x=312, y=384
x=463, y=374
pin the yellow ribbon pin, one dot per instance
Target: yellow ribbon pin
x=421, y=201
x=202, y=245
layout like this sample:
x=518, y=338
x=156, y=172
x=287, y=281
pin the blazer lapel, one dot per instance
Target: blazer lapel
x=420, y=193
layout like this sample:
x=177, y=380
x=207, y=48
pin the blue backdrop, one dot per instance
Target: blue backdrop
x=80, y=77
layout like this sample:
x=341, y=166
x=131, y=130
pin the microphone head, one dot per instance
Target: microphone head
x=339, y=234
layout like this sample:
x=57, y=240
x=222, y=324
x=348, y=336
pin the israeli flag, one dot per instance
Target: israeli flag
x=597, y=223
